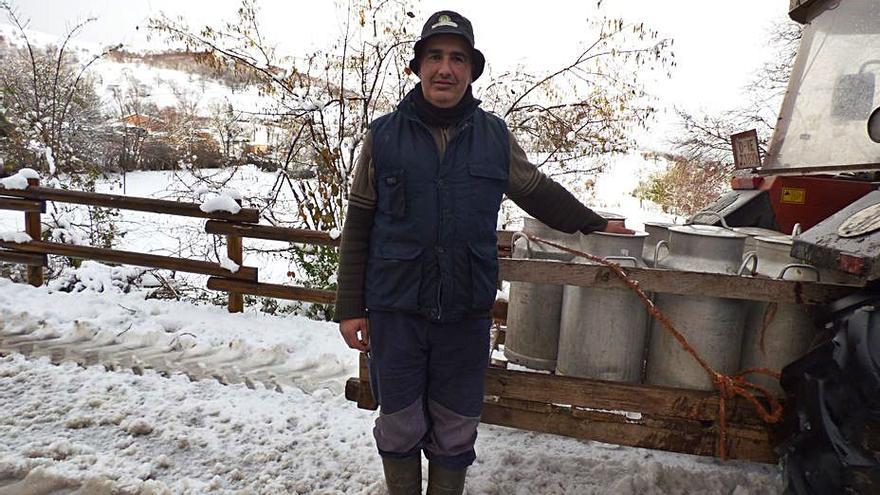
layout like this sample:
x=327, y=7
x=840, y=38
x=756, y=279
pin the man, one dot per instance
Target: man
x=418, y=266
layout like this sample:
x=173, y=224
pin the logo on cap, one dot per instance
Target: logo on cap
x=444, y=20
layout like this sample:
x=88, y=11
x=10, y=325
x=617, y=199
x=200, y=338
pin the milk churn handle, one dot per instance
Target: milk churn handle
x=750, y=256
x=660, y=243
x=517, y=236
x=799, y=265
x=709, y=213
x=796, y=230
x=635, y=262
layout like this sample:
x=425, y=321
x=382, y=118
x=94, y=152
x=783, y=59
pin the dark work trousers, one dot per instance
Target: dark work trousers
x=429, y=379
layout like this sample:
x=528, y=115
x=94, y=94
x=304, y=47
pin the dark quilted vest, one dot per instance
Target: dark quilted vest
x=433, y=242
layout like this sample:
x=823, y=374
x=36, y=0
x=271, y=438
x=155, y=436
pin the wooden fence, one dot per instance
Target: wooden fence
x=235, y=227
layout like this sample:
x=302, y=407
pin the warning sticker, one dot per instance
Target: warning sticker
x=794, y=195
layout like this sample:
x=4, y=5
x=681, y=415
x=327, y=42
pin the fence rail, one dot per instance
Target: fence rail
x=179, y=208
x=271, y=233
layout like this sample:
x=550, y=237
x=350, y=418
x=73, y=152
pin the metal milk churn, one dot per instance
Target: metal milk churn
x=753, y=233
x=777, y=333
x=712, y=325
x=534, y=310
x=603, y=331
x=657, y=231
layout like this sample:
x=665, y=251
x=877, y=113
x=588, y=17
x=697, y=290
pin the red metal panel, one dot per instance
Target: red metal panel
x=809, y=200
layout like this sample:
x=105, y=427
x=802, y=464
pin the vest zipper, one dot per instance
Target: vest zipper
x=444, y=134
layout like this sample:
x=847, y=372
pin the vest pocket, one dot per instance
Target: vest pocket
x=394, y=277
x=391, y=189
x=484, y=274
x=488, y=181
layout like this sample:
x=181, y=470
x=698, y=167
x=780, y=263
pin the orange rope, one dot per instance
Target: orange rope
x=728, y=386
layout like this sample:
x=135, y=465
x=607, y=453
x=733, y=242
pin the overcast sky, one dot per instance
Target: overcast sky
x=718, y=44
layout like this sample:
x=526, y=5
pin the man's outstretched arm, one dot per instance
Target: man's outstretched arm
x=546, y=200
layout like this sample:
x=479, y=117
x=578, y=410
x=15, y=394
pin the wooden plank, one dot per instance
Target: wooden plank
x=611, y=396
x=30, y=259
x=365, y=396
x=597, y=394
x=689, y=437
x=271, y=233
x=234, y=251
x=363, y=367
x=132, y=258
x=505, y=239
x=129, y=203
x=359, y=391
x=499, y=311
x=669, y=434
x=273, y=290
x=33, y=227
x=673, y=282
x=22, y=205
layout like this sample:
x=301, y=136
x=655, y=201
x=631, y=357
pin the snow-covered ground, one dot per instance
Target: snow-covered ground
x=98, y=431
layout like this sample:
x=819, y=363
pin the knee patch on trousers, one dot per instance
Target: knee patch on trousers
x=452, y=434
x=402, y=431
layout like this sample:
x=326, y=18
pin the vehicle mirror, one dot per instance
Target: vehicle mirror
x=874, y=125
x=853, y=96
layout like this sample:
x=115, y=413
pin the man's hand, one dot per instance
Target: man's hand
x=356, y=332
x=617, y=227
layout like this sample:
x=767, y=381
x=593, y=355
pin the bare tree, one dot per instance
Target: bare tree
x=706, y=138
x=51, y=101
x=226, y=124
x=326, y=100
x=703, y=162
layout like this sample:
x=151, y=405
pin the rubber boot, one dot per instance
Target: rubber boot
x=403, y=476
x=442, y=481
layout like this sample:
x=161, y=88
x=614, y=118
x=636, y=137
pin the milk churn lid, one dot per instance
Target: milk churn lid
x=707, y=231
x=756, y=231
x=775, y=239
x=609, y=215
x=615, y=234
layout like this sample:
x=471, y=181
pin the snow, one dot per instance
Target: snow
x=29, y=173
x=75, y=427
x=220, y=202
x=50, y=159
x=16, y=181
x=228, y=264
x=17, y=237
x=232, y=193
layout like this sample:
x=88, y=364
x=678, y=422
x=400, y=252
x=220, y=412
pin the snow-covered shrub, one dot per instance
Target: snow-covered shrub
x=97, y=277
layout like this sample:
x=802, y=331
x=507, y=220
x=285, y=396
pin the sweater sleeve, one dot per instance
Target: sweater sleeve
x=545, y=199
x=355, y=241
x=353, y=251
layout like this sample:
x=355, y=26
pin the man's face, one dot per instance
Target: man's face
x=445, y=69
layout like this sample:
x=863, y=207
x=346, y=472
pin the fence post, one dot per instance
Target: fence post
x=32, y=228
x=235, y=252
